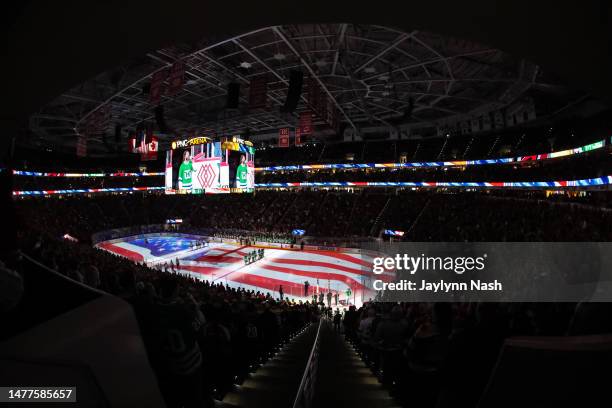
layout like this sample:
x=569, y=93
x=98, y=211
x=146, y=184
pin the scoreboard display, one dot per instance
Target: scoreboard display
x=202, y=166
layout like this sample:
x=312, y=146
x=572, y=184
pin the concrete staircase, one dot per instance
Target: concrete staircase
x=276, y=383
x=343, y=378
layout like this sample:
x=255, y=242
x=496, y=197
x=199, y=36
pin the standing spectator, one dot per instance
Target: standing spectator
x=337, y=319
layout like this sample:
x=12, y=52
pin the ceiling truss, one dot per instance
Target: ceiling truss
x=371, y=74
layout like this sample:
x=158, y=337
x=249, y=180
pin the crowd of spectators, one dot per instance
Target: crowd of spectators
x=467, y=217
x=229, y=331
x=425, y=215
x=254, y=236
x=447, y=351
x=201, y=337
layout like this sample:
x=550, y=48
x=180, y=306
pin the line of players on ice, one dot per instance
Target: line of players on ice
x=253, y=256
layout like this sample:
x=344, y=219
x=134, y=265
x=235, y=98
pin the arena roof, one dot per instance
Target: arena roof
x=373, y=72
x=373, y=75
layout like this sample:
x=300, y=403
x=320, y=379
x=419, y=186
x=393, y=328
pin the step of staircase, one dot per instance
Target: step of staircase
x=275, y=383
x=343, y=380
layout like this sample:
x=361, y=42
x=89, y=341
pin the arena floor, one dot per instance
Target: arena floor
x=325, y=270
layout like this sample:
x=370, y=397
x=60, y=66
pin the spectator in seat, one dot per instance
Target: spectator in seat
x=428, y=347
x=366, y=332
x=472, y=353
x=92, y=276
x=216, y=339
x=269, y=325
x=389, y=339
x=178, y=331
x=365, y=325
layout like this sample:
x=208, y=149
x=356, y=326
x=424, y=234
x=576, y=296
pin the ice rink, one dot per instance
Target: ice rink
x=324, y=270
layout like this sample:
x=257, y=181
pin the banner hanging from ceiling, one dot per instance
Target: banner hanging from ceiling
x=305, y=123
x=283, y=137
x=258, y=93
x=176, y=78
x=156, y=89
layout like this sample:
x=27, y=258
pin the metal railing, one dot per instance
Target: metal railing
x=305, y=393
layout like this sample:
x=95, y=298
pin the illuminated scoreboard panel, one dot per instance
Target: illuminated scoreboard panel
x=199, y=165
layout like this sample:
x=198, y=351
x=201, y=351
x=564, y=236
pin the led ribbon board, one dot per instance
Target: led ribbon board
x=506, y=160
x=599, y=181
x=84, y=191
x=77, y=175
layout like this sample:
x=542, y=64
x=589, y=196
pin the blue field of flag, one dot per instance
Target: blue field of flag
x=161, y=246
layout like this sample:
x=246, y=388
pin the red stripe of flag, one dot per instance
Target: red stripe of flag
x=135, y=256
x=342, y=256
x=313, y=274
x=321, y=264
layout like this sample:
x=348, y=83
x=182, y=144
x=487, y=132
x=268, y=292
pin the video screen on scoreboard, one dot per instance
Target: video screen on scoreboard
x=210, y=168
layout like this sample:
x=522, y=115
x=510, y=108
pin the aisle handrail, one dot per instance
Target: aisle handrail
x=304, y=394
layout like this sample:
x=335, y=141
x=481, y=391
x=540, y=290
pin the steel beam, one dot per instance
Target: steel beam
x=280, y=33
